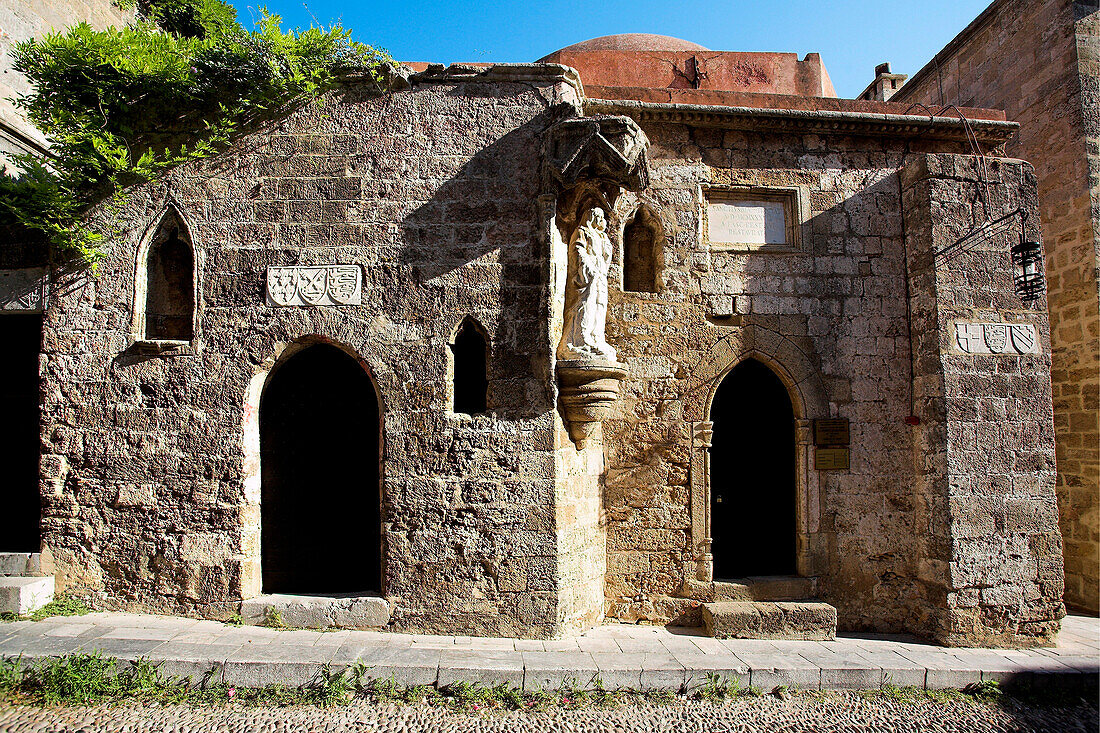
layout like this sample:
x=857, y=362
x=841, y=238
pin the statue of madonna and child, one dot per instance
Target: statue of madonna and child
x=588, y=373
x=583, y=336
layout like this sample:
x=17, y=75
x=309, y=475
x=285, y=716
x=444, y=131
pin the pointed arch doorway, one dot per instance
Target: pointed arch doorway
x=320, y=513
x=753, y=482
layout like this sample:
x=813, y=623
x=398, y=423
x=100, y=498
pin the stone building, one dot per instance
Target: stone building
x=500, y=352
x=1039, y=60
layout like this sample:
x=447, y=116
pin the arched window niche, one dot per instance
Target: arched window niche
x=469, y=376
x=164, y=297
x=642, y=240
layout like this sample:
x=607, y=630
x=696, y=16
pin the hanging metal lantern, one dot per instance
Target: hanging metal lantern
x=1027, y=258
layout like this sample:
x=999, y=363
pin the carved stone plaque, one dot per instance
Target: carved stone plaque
x=23, y=291
x=746, y=222
x=315, y=285
x=996, y=338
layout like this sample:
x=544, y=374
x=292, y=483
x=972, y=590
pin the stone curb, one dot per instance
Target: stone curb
x=646, y=672
x=618, y=657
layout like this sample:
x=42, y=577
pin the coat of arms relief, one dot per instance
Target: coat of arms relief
x=996, y=338
x=315, y=285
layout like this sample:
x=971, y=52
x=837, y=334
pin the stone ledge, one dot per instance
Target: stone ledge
x=988, y=132
x=26, y=564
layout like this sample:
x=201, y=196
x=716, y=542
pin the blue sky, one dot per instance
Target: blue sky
x=852, y=36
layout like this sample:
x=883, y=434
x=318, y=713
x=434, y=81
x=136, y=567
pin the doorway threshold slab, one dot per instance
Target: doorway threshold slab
x=342, y=611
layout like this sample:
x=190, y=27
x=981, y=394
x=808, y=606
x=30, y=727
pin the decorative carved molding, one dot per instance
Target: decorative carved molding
x=988, y=132
x=315, y=285
x=520, y=73
x=996, y=338
x=703, y=433
x=23, y=291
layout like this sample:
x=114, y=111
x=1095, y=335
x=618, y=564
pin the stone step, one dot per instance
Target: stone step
x=21, y=563
x=23, y=595
x=804, y=620
x=345, y=611
x=766, y=588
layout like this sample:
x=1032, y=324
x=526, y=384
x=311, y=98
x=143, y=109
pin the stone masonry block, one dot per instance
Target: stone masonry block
x=766, y=620
x=21, y=595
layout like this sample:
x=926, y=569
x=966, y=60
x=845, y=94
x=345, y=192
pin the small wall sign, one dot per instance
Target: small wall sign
x=832, y=431
x=831, y=459
x=750, y=218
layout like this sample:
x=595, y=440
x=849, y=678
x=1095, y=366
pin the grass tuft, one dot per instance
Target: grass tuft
x=273, y=619
x=89, y=679
x=63, y=605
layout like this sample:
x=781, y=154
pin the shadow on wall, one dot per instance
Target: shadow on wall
x=474, y=249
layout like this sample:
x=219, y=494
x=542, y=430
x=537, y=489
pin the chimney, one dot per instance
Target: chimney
x=885, y=84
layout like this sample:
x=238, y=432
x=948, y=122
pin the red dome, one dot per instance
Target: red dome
x=631, y=42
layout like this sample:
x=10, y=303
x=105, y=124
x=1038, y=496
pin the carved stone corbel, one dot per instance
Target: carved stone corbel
x=587, y=390
x=605, y=149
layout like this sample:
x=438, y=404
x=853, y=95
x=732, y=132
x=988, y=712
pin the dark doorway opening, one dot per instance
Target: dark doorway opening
x=752, y=475
x=19, y=442
x=319, y=467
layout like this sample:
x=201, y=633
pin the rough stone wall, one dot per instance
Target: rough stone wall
x=990, y=564
x=831, y=320
x=582, y=533
x=1081, y=515
x=1037, y=60
x=150, y=465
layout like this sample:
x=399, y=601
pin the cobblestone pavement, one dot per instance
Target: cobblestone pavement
x=819, y=712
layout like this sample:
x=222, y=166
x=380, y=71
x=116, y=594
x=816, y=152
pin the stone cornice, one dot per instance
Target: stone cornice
x=26, y=139
x=990, y=133
x=542, y=73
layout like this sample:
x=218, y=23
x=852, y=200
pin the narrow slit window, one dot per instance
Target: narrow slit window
x=470, y=351
x=641, y=239
x=169, y=282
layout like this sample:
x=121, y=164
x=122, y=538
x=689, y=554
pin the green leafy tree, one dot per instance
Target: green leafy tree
x=122, y=105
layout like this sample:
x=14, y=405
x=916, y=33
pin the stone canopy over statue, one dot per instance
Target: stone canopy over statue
x=583, y=332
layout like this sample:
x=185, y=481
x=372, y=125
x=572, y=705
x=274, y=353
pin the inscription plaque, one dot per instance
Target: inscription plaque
x=831, y=459
x=996, y=338
x=747, y=222
x=832, y=431
x=22, y=291
x=315, y=285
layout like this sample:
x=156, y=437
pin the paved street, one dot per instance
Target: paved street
x=621, y=656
